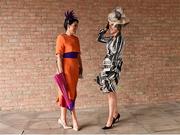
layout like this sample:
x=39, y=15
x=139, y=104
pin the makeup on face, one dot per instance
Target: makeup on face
x=112, y=28
x=73, y=27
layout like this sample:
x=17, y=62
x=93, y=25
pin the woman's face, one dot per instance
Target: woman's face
x=113, y=30
x=73, y=27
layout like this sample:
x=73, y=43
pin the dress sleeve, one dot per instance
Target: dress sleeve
x=60, y=45
x=101, y=38
x=78, y=44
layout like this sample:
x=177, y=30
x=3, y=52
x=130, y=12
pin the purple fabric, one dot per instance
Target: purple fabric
x=70, y=55
x=61, y=82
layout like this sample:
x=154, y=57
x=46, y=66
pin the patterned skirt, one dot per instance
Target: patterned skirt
x=108, y=79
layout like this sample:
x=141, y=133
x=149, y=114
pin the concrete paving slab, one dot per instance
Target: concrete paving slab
x=138, y=119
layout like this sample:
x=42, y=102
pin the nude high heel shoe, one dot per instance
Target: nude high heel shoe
x=63, y=124
x=76, y=129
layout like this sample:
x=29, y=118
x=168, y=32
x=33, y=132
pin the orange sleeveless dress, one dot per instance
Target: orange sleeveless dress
x=69, y=48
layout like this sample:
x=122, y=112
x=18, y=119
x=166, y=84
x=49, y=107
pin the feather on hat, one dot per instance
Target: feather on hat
x=117, y=16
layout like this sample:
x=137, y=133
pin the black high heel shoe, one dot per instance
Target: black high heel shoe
x=116, y=119
x=106, y=127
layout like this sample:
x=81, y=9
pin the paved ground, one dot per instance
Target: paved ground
x=160, y=118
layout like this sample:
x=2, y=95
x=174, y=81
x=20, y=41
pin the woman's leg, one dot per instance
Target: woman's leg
x=62, y=119
x=74, y=120
x=115, y=113
x=112, y=106
x=63, y=115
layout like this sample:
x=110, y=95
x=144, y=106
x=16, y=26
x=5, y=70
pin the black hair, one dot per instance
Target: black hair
x=70, y=18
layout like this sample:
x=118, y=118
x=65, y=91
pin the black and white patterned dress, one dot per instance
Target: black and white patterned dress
x=109, y=76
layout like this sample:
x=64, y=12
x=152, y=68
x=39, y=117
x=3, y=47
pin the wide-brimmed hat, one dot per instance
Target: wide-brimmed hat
x=117, y=16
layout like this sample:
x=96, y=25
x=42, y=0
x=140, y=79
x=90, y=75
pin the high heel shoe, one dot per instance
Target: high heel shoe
x=108, y=127
x=76, y=129
x=116, y=119
x=63, y=124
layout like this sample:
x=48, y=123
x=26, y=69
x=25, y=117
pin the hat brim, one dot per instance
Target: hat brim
x=122, y=21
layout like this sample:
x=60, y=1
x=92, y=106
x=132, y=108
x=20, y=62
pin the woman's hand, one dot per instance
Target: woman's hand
x=107, y=26
x=80, y=72
x=80, y=67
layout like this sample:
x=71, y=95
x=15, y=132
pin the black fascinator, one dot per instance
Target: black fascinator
x=69, y=18
x=70, y=15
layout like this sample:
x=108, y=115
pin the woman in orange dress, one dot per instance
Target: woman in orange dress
x=69, y=62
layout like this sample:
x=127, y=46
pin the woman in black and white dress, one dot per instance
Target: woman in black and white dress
x=109, y=76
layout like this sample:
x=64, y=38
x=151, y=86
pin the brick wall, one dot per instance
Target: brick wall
x=28, y=30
